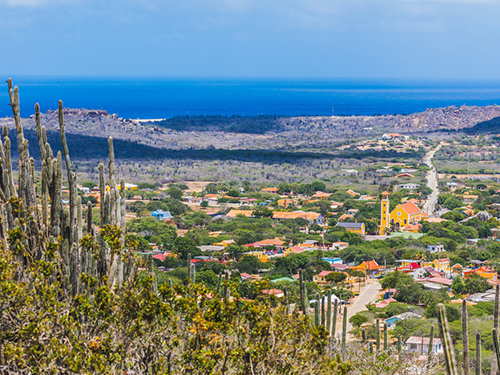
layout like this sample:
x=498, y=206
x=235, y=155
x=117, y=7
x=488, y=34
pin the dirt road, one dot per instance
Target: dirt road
x=432, y=183
x=367, y=295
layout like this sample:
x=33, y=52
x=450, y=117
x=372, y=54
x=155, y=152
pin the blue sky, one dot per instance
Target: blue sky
x=252, y=38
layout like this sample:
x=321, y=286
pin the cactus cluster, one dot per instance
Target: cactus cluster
x=452, y=366
x=34, y=219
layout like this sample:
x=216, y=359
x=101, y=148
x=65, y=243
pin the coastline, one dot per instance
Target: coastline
x=149, y=120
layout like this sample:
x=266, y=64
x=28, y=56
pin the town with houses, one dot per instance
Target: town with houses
x=354, y=255
x=387, y=254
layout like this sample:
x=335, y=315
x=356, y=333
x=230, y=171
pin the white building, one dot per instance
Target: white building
x=421, y=345
x=435, y=248
x=408, y=186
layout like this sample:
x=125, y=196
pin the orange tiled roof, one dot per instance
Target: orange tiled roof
x=443, y=260
x=295, y=215
x=270, y=242
x=436, y=220
x=324, y=273
x=320, y=194
x=372, y=265
x=411, y=208
x=345, y=216
x=234, y=213
x=272, y=291
x=412, y=227
x=298, y=249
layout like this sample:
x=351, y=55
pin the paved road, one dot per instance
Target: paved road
x=432, y=183
x=366, y=296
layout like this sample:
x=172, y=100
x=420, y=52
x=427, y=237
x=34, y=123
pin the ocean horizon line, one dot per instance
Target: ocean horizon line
x=169, y=97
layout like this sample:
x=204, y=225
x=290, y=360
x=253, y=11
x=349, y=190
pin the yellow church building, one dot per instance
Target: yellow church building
x=402, y=216
x=407, y=213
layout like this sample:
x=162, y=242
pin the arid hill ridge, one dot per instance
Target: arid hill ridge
x=291, y=133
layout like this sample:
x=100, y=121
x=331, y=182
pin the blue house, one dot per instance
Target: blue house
x=161, y=215
x=392, y=321
x=332, y=260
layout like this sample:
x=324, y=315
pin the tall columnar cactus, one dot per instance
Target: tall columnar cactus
x=478, y=353
x=317, y=311
x=316, y=314
x=322, y=301
x=305, y=301
x=285, y=300
x=386, y=343
x=301, y=291
x=465, y=335
x=344, y=327
x=193, y=273
x=363, y=335
x=335, y=313
x=431, y=341
x=218, y=283
x=226, y=286
x=449, y=354
x=377, y=333
x=190, y=270
x=496, y=345
x=494, y=364
x=400, y=346
x=329, y=312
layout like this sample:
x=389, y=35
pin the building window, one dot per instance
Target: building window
x=405, y=221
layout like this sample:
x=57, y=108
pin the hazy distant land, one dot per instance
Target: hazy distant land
x=217, y=147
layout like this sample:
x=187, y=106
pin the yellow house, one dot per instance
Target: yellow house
x=225, y=243
x=258, y=254
x=358, y=228
x=405, y=263
x=469, y=198
x=440, y=265
x=407, y=213
x=287, y=202
x=488, y=275
x=127, y=187
x=370, y=267
x=321, y=277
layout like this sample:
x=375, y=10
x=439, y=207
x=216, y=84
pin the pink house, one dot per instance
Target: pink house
x=384, y=303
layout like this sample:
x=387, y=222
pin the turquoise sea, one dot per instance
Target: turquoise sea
x=152, y=98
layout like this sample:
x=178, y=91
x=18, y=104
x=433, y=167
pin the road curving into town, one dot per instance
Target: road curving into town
x=367, y=296
x=432, y=183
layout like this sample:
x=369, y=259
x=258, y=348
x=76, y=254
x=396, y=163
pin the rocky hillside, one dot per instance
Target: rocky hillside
x=448, y=118
x=259, y=133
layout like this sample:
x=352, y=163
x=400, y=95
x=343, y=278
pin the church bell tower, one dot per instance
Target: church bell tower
x=384, y=212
